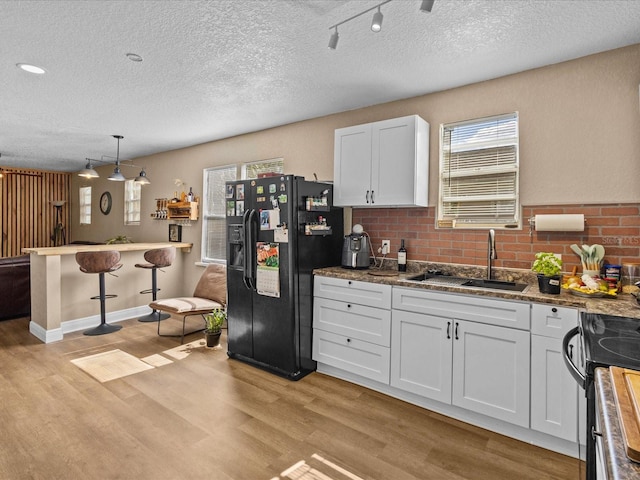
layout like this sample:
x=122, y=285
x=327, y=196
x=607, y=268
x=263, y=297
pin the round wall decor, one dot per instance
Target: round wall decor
x=105, y=203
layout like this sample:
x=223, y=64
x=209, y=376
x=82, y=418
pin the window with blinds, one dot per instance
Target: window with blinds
x=479, y=173
x=213, y=212
x=214, y=234
x=132, y=195
x=253, y=169
x=85, y=205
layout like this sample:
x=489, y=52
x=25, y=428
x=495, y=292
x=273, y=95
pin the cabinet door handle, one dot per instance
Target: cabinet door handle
x=595, y=433
x=456, y=334
x=372, y=199
x=348, y=340
x=448, y=329
x=348, y=305
x=571, y=352
x=554, y=310
x=367, y=196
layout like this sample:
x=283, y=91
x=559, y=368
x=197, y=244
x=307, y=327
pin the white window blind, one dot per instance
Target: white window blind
x=85, y=205
x=213, y=212
x=253, y=169
x=132, y=202
x=479, y=173
x=214, y=234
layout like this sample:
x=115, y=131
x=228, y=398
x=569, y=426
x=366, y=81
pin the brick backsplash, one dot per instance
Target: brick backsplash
x=614, y=226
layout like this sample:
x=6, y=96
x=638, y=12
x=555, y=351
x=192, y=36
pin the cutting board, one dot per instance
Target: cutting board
x=383, y=273
x=626, y=388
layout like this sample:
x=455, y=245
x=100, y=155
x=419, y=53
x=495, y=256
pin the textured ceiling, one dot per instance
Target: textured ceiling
x=215, y=69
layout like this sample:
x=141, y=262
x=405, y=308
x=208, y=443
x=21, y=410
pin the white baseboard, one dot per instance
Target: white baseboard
x=55, y=335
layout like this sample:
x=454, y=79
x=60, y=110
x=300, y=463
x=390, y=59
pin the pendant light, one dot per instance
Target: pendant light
x=88, y=171
x=117, y=175
x=142, y=178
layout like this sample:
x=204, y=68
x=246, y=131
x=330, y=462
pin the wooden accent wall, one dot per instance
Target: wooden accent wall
x=28, y=217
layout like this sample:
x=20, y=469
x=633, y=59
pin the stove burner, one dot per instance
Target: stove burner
x=622, y=347
x=599, y=325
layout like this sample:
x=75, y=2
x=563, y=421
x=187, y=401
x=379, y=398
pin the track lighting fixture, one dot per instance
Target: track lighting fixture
x=376, y=23
x=426, y=6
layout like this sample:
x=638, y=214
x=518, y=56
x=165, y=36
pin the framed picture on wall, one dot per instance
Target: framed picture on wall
x=175, y=232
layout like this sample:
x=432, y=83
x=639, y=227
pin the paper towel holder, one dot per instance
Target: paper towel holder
x=532, y=223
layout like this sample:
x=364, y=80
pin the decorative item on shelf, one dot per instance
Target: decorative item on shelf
x=118, y=239
x=161, y=209
x=175, y=232
x=549, y=269
x=213, y=326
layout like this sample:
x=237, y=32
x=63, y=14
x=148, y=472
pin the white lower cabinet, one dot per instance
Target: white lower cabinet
x=498, y=358
x=491, y=371
x=555, y=395
x=479, y=367
x=348, y=332
x=421, y=355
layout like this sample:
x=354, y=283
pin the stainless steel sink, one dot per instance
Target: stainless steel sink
x=495, y=285
x=483, y=283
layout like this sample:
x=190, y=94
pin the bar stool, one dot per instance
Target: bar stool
x=100, y=263
x=157, y=258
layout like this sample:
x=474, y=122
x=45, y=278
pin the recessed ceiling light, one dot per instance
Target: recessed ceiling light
x=31, y=68
x=134, y=57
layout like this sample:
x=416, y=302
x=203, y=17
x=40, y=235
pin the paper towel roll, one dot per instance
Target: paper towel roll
x=559, y=223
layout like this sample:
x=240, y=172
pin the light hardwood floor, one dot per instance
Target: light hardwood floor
x=208, y=417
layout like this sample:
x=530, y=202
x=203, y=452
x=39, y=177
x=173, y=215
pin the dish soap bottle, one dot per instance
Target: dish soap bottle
x=402, y=257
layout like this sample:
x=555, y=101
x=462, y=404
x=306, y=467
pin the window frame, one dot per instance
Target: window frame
x=248, y=170
x=479, y=174
x=84, y=201
x=132, y=202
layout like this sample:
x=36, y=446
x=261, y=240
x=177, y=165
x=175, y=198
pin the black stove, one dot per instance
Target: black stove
x=607, y=340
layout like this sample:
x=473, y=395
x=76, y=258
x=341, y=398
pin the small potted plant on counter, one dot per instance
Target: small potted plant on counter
x=549, y=269
x=213, y=326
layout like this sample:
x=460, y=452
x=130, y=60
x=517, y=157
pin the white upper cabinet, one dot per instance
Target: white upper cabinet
x=382, y=164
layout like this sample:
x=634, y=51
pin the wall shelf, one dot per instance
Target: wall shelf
x=182, y=211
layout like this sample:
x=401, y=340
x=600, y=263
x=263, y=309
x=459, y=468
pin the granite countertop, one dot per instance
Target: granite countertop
x=625, y=305
x=619, y=467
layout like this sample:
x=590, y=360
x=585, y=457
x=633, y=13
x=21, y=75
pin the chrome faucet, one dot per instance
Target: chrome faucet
x=491, y=252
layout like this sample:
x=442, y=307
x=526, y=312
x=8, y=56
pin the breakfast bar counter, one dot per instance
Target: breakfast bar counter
x=61, y=293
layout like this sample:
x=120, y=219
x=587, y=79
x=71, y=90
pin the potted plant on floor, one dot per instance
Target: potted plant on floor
x=213, y=326
x=549, y=269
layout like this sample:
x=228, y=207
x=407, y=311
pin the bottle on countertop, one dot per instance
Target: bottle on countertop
x=402, y=257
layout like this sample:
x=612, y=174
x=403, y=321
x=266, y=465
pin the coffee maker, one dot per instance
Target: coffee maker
x=355, y=249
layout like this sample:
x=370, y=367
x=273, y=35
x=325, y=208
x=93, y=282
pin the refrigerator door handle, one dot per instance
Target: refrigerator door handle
x=247, y=257
x=250, y=249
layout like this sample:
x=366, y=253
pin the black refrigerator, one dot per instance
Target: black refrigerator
x=279, y=229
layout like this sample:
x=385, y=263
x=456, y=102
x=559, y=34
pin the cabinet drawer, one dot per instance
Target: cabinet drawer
x=353, y=320
x=502, y=313
x=352, y=355
x=552, y=321
x=352, y=291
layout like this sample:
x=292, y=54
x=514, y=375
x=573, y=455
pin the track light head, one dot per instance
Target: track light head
x=376, y=24
x=333, y=41
x=426, y=6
